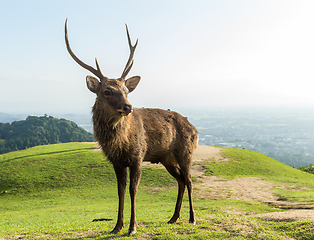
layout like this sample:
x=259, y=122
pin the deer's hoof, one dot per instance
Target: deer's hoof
x=174, y=219
x=131, y=232
x=114, y=231
x=193, y=222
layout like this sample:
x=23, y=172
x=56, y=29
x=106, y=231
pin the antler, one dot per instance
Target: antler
x=129, y=64
x=97, y=72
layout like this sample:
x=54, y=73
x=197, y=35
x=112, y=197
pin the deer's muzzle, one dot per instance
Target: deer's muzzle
x=125, y=110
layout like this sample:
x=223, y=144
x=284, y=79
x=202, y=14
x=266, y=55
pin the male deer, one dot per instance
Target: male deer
x=128, y=136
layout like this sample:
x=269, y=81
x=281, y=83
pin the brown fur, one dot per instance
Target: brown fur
x=152, y=135
x=129, y=137
x=149, y=134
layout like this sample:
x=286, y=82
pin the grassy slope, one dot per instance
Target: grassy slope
x=62, y=166
x=55, y=191
x=245, y=163
x=248, y=163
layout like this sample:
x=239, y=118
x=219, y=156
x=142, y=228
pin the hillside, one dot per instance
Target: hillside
x=61, y=166
x=36, y=131
x=238, y=194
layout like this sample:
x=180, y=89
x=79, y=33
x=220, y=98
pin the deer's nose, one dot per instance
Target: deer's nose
x=127, y=108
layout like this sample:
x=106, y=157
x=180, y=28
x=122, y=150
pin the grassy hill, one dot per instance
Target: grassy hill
x=55, y=191
x=62, y=166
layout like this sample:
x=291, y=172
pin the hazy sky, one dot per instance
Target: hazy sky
x=195, y=54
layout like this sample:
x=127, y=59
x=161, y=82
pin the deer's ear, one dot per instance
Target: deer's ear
x=93, y=84
x=132, y=82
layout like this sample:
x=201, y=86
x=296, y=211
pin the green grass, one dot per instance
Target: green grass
x=61, y=166
x=55, y=191
x=53, y=167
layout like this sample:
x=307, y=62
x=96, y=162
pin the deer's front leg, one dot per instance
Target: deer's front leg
x=135, y=175
x=121, y=174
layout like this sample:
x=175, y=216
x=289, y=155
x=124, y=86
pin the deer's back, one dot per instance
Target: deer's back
x=164, y=132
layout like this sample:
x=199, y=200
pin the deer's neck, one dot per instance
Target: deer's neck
x=112, y=135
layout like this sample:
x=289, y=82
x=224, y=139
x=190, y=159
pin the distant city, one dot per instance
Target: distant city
x=286, y=135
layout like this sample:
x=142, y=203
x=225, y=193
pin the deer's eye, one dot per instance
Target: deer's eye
x=107, y=93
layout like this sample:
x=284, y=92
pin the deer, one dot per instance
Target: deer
x=128, y=136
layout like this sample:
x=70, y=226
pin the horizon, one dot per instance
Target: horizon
x=196, y=113
x=200, y=54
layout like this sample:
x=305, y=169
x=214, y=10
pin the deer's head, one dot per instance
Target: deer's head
x=111, y=93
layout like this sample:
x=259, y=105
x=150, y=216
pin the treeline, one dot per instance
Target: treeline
x=308, y=168
x=40, y=131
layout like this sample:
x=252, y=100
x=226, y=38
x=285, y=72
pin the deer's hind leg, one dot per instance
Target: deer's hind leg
x=185, y=167
x=172, y=167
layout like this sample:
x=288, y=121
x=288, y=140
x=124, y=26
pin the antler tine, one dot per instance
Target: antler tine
x=97, y=72
x=129, y=39
x=129, y=64
x=98, y=68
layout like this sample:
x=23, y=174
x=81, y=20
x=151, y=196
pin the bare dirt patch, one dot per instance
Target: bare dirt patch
x=244, y=188
x=208, y=152
x=288, y=216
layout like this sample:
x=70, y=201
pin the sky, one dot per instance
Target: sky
x=191, y=54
